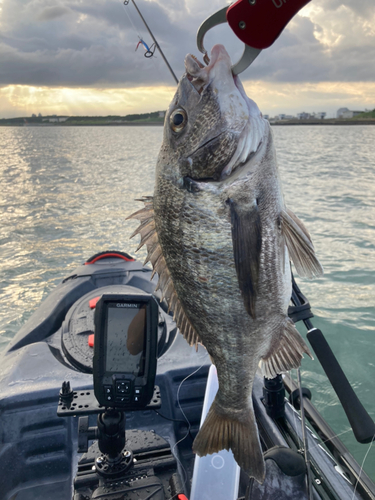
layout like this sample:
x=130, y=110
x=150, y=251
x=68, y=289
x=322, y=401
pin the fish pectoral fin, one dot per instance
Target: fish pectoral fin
x=247, y=245
x=286, y=351
x=299, y=244
x=239, y=433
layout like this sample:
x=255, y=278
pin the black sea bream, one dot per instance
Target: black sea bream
x=220, y=237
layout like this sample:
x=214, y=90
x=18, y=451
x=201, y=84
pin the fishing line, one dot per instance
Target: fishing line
x=331, y=438
x=363, y=463
x=187, y=421
x=173, y=420
x=322, y=440
x=305, y=438
x=294, y=415
x=149, y=51
x=124, y=4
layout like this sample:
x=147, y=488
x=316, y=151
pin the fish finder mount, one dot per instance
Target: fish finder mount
x=124, y=369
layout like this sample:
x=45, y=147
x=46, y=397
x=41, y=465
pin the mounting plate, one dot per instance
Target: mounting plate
x=85, y=403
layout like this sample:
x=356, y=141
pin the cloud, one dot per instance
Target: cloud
x=87, y=44
x=92, y=43
x=50, y=13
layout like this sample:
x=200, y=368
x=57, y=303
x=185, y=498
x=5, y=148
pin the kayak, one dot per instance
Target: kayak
x=48, y=455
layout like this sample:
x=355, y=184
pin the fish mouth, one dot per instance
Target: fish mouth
x=196, y=73
x=252, y=135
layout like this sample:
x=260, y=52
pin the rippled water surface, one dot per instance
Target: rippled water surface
x=65, y=194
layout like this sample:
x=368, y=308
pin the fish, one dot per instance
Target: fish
x=220, y=238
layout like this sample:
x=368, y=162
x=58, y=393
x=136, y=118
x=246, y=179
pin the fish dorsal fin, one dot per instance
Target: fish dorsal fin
x=149, y=237
x=286, y=351
x=299, y=244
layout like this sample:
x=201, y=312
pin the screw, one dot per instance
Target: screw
x=127, y=454
x=318, y=481
x=99, y=460
x=93, y=467
x=242, y=25
x=252, y=2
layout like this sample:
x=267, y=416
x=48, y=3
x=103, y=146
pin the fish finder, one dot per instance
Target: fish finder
x=125, y=350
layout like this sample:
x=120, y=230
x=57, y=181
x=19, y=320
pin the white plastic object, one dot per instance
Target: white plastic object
x=215, y=476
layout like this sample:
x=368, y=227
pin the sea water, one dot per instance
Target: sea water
x=65, y=193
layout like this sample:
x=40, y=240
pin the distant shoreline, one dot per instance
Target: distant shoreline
x=159, y=123
x=333, y=121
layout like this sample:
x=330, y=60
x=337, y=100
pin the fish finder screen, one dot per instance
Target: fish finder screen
x=126, y=333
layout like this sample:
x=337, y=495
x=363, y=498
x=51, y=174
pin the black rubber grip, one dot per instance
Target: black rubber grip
x=362, y=424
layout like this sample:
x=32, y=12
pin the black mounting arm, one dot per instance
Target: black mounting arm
x=362, y=424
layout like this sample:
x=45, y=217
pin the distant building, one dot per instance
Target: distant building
x=266, y=117
x=33, y=115
x=161, y=114
x=303, y=116
x=347, y=113
x=39, y=115
x=58, y=119
x=320, y=116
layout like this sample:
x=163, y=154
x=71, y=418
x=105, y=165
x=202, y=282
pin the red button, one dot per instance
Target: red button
x=181, y=497
x=91, y=340
x=93, y=302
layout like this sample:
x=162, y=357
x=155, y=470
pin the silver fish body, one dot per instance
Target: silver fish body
x=219, y=235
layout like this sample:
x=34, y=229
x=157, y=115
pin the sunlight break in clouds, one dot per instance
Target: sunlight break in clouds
x=22, y=100
x=272, y=98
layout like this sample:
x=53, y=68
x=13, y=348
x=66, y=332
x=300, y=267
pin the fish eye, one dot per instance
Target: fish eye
x=178, y=120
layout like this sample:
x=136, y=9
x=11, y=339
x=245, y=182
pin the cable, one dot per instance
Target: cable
x=173, y=420
x=363, y=463
x=187, y=421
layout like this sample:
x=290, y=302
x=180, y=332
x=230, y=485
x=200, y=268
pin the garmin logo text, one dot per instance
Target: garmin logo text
x=278, y=3
x=133, y=306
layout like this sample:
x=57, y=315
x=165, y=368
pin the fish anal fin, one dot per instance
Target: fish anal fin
x=299, y=244
x=247, y=245
x=286, y=351
x=239, y=433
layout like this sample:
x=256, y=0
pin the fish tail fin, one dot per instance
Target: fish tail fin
x=237, y=432
x=286, y=351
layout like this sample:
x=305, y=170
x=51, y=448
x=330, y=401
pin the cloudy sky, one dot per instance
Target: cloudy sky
x=77, y=57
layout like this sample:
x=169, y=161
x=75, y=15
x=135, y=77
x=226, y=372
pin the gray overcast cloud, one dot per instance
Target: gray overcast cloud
x=91, y=43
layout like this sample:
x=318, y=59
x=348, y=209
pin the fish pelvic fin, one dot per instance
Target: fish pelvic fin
x=236, y=431
x=149, y=237
x=286, y=351
x=299, y=244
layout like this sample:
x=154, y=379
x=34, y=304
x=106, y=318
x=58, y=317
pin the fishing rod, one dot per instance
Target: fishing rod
x=126, y=2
